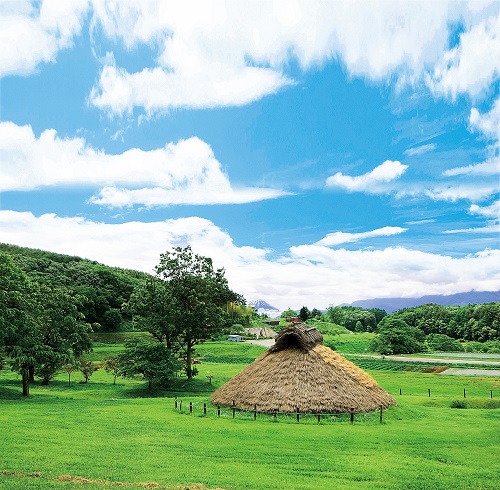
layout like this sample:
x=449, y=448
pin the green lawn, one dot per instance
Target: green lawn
x=106, y=434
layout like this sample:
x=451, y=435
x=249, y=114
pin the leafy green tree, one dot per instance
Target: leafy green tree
x=20, y=336
x=149, y=359
x=442, y=343
x=70, y=365
x=112, y=366
x=195, y=300
x=112, y=319
x=315, y=313
x=149, y=308
x=288, y=313
x=87, y=368
x=396, y=337
x=304, y=313
x=63, y=331
x=336, y=314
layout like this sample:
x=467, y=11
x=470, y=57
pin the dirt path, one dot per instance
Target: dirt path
x=433, y=360
x=263, y=342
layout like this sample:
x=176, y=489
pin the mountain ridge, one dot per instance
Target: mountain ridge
x=391, y=305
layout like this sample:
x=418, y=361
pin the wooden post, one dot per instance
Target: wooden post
x=400, y=391
x=275, y=413
x=381, y=411
x=298, y=415
x=491, y=393
x=204, y=409
x=464, y=392
x=180, y=406
x=255, y=412
x=352, y=415
x=218, y=411
x=234, y=409
x=190, y=407
x=175, y=402
x=429, y=390
x=319, y=417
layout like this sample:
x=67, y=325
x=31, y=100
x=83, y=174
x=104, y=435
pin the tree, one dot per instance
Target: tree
x=396, y=337
x=195, y=299
x=112, y=366
x=63, y=331
x=288, y=313
x=87, y=368
x=315, y=313
x=19, y=333
x=70, y=365
x=149, y=307
x=304, y=314
x=149, y=359
x=336, y=314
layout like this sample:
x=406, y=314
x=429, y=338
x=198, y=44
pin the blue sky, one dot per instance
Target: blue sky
x=321, y=152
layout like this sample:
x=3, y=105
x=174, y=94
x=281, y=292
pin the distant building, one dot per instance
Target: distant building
x=235, y=338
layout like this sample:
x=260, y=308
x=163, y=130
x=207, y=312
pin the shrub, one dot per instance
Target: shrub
x=458, y=404
x=443, y=343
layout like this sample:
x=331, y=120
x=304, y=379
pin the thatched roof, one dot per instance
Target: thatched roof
x=298, y=372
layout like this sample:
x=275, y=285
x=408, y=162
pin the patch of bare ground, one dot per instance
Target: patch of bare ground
x=108, y=483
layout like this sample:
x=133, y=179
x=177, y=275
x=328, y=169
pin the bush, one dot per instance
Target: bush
x=443, y=343
x=396, y=337
x=458, y=404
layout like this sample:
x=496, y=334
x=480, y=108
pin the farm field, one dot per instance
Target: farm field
x=96, y=435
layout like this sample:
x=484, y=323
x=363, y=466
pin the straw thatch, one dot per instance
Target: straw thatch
x=299, y=373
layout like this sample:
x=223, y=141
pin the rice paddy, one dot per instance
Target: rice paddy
x=98, y=435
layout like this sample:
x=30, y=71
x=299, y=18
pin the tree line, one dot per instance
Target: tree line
x=50, y=305
x=426, y=327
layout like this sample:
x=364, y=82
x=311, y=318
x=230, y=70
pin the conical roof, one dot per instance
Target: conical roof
x=299, y=373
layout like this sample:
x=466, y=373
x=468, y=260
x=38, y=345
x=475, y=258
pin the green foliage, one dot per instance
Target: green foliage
x=99, y=288
x=439, y=342
x=354, y=318
x=112, y=366
x=458, y=404
x=326, y=327
x=396, y=337
x=193, y=298
x=87, y=368
x=288, y=313
x=472, y=322
x=304, y=313
x=149, y=359
x=490, y=346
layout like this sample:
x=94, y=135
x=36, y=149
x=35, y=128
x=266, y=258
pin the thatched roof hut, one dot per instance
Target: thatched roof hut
x=299, y=373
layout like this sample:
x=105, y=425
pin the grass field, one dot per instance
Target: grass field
x=96, y=435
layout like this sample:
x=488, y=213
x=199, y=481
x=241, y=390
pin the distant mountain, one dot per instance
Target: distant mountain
x=263, y=307
x=460, y=299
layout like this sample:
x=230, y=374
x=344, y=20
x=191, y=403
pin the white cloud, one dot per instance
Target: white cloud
x=159, y=89
x=313, y=275
x=491, y=167
x=371, y=181
x=420, y=150
x=489, y=123
x=32, y=35
x=473, y=65
x=231, y=53
x=339, y=237
x=473, y=191
x=185, y=172
x=492, y=211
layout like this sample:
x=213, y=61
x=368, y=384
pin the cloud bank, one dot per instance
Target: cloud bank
x=313, y=275
x=185, y=172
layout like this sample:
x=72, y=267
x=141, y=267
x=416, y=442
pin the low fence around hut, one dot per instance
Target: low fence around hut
x=489, y=399
x=204, y=409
